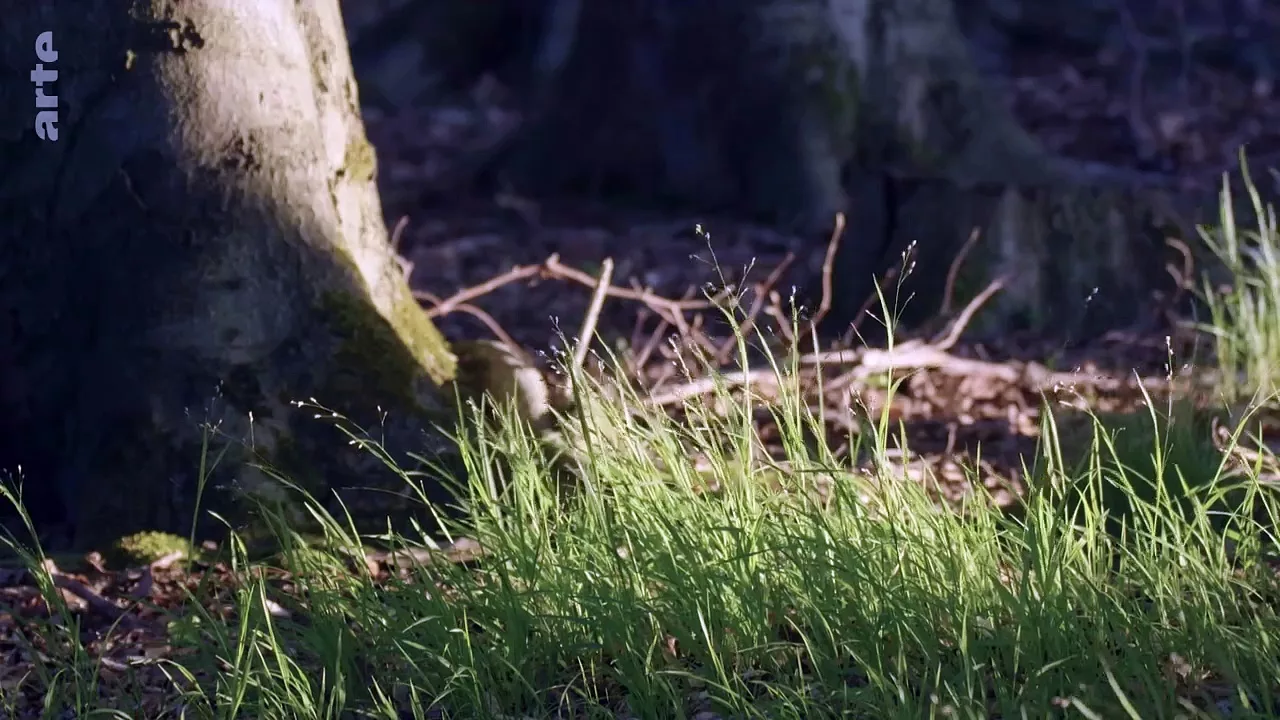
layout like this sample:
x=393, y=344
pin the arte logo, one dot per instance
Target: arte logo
x=46, y=104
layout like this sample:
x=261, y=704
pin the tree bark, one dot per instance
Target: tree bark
x=790, y=111
x=1230, y=35
x=408, y=53
x=1078, y=251
x=200, y=248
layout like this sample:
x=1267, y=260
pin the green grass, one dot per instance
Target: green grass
x=1135, y=583
x=1244, y=317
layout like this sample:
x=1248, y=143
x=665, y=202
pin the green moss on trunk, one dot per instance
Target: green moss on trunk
x=383, y=359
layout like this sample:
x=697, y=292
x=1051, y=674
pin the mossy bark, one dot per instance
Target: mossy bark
x=943, y=157
x=1073, y=258
x=201, y=248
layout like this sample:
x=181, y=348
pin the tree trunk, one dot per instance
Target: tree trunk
x=793, y=110
x=201, y=247
x=1229, y=35
x=408, y=53
x=1077, y=251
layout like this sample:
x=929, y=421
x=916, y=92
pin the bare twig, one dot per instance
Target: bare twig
x=646, y=350
x=1182, y=279
x=828, y=266
x=593, y=314
x=406, y=265
x=953, y=272
x=874, y=297
x=488, y=320
x=669, y=310
x=774, y=310
x=556, y=269
x=397, y=233
x=656, y=338
x=952, y=336
x=444, y=307
x=757, y=304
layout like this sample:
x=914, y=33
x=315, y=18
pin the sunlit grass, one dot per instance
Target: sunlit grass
x=1244, y=317
x=624, y=580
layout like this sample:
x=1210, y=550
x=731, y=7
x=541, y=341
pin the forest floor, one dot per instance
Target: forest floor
x=523, y=271
x=754, y=606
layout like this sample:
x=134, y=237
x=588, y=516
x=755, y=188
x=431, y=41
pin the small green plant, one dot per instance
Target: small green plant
x=1244, y=316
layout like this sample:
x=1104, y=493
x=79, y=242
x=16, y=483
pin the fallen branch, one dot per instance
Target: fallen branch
x=92, y=599
x=461, y=550
x=911, y=355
